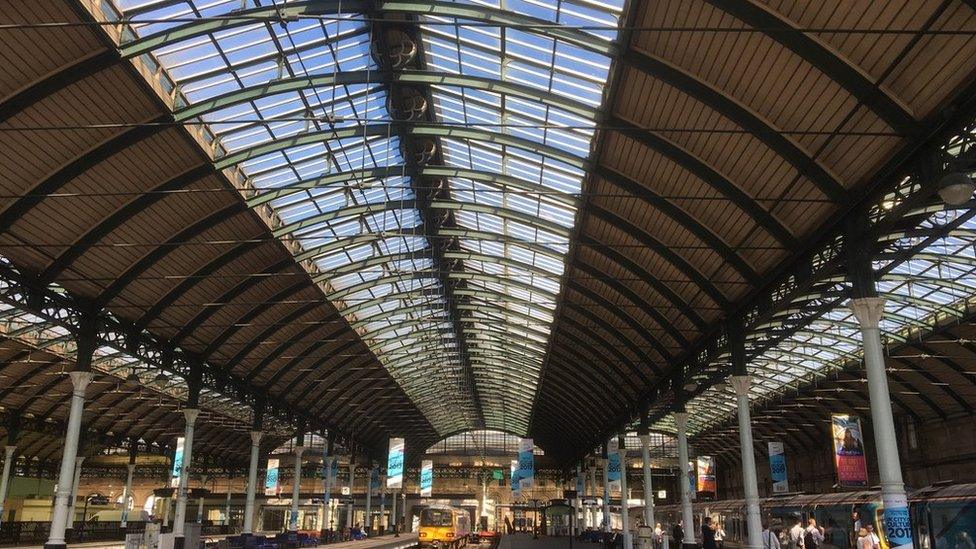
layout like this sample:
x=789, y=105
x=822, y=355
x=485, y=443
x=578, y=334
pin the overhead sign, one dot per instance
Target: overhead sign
x=706, y=475
x=271, y=478
x=613, y=464
x=426, y=478
x=177, y=463
x=497, y=474
x=526, y=463
x=394, y=464
x=777, y=468
x=849, y=460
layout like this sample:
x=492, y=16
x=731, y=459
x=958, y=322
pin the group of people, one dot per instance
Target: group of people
x=712, y=534
x=812, y=536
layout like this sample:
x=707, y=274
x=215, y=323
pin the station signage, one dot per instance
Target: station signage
x=394, y=464
x=526, y=463
x=777, y=468
x=426, y=478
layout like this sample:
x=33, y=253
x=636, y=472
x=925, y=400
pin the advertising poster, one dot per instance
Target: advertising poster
x=706, y=475
x=426, y=478
x=516, y=480
x=177, y=464
x=692, y=481
x=580, y=483
x=394, y=464
x=897, y=523
x=848, y=438
x=613, y=465
x=526, y=463
x=271, y=478
x=777, y=468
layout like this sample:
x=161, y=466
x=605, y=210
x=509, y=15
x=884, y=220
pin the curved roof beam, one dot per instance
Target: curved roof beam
x=815, y=52
x=721, y=103
x=397, y=171
x=413, y=77
x=711, y=177
x=311, y=8
x=409, y=204
x=419, y=129
x=648, y=240
x=681, y=217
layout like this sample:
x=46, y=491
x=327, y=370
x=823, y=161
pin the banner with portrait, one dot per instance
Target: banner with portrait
x=706, y=476
x=849, y=460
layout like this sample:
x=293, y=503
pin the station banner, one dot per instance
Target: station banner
x=526, y=463
x=897, y=523
x=692, y=481
x=516, y=483
x=777, y=468
x=848, y=439
x=613, y=464
x=174, y=480
x=394, y=464
x=271, y=478
x=580, y=482
x=426, y=478
x=706, y=475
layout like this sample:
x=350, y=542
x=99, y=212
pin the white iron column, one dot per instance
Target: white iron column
x=624, y=510
x=74, y=491
x=296, y=489
x=368, y=521
x=8, y=458
x=648, y=487
x=351, y=505
x=687, y=516
x=127, y=492
x=382, y=522
x=227, y=505
x=868, y=311
x=203, y=484
x=327, y=500
x=750, y=483
x=606, y=494
x=393, y=513
x=252, y=483
x=179, y=520
x=591, y=509
x=59, y=519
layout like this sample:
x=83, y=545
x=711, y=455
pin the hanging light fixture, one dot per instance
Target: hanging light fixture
x=956, y=188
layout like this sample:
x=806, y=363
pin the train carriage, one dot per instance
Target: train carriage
x=443, y=526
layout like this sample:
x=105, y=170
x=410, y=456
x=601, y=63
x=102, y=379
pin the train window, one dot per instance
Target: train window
x=953, y=525
x=436, y=517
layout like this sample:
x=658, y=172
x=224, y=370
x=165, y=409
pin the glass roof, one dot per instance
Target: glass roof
x=926, y=274
x=294, y=100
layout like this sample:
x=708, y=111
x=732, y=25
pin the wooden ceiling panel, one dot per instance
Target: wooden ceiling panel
x=24, y=59
x=748, y=66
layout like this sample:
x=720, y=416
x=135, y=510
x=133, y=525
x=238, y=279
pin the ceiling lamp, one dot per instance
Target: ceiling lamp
x=956, y=188
x=690, y=386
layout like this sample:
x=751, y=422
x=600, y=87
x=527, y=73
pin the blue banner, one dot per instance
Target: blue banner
x=897, y=523
x=394, y=464
x=177, y=463
x=777, y=468
x=516, y=482
x=374, y=480
x=526, y=463
x=613, y=465
x=271, y=478
x=426, y=478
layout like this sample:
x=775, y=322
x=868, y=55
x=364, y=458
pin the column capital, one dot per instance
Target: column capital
x=741, y=385
x=79, y=460
x=191, y=415
x=645, y=439
x=299, y=450
x=868, y=310
x=256, y=438
x=681, y=421
x=80, y=381
x=131, y=466
x=9, y=450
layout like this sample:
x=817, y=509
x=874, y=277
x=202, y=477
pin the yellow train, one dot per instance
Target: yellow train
x=443, y=526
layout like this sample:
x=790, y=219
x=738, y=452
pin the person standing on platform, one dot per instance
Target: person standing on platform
x=677, y=534
x=708, y=534
x=796, y=534
x=813, y=535
x=720, y=535
x=770, y=541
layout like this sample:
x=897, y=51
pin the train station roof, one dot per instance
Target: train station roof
x=542, y=217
